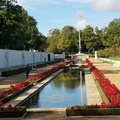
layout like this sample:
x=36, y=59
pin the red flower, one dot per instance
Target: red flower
x=9, y=106
x=17, y=106
x=78, y=106
x=1, y=103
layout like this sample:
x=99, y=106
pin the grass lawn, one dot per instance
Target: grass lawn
x=114, y=58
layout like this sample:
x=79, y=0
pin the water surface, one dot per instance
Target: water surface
x=66, y=89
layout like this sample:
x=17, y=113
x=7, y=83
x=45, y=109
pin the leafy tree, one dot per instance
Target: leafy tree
x=111, y=31
x=18, y=29
x=88, y=37
x=117, y=41
x=52, y=40
x=99, y=39
x=40, y=42
x=68, y=31
x=9, y=21
x=68, y=41
x=63, y=44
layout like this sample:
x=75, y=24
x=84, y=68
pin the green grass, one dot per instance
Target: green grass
x=114, y=58
x=111, y=63
x=111, y=58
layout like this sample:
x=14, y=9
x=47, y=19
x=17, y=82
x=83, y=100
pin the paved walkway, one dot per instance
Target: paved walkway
x=112, y=73
x=93, y=95
x=15, y=79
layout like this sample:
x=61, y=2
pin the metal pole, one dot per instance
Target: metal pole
x=79, y=43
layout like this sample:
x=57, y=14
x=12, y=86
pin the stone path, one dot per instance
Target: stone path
x=93, y=96
x=15, y=79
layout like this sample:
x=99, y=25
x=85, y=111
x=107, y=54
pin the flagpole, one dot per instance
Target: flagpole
x=79, y=43
x=79, y=40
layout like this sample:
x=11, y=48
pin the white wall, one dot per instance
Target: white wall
x=12, y=58
x=59, y=56
x=2, y=59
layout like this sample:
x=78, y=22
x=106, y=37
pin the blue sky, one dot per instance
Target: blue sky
x=51, y=14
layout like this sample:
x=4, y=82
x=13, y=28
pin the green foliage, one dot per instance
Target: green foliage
x=17, y=29
x=65, y=40
x=109, y=52
x=52, y=40
x=115, y=58
x=13, y=71
x=110, y=32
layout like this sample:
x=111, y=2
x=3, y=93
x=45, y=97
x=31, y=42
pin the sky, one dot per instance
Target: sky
x=52, y=14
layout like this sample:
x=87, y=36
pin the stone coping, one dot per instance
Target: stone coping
x=93, y=95
x=46, y=110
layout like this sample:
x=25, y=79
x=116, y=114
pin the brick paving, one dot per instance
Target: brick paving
x=110, y=72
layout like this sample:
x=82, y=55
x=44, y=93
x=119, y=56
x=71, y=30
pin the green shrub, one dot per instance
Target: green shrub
x=14, y=71
x=109, y=52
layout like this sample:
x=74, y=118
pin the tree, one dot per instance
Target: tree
x=88, y=37
x=68, y=41
x=68, y=31
x=117, y=41
x=17, y=28
x=40, y=42
x=110, y=32
x=52, y=40
x=10, y=17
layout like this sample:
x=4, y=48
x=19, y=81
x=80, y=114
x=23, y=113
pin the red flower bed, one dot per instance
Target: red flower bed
x=111, y=91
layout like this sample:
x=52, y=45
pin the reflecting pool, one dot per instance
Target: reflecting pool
x=66, y=89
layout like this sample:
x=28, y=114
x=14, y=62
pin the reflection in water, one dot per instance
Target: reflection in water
x=64, y=90
x=69, y=80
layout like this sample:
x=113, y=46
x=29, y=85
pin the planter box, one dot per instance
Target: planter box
x=14, y=112
x=92, y=111
x=9, y=97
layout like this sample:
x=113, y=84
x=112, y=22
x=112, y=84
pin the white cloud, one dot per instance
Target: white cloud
x=82, y=1
x=106, y=5
x=101, y=5
x=30, y=4
x=81, y=24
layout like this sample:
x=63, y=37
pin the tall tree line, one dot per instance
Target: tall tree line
x=17, y=29
x=92, y=39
